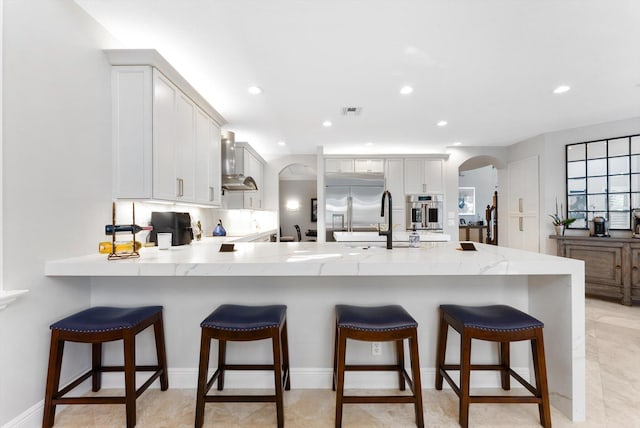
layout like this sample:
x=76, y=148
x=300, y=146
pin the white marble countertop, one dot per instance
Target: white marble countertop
x=317, y=259
x=397, y=237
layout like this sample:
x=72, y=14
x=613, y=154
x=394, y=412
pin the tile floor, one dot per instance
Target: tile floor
x=613, y=395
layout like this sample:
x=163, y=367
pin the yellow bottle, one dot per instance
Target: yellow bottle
x=121, y=247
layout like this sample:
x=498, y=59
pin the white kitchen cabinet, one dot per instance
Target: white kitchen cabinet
x=207, y=160
x=522, y=204
x=165, y=144
x=369, y=165
x=394, y=183
x=333, y=165
x=423, y=175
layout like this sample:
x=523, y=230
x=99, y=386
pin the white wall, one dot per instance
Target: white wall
x=550, y=147
x=57, y=180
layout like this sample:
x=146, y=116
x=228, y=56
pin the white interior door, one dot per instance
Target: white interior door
x=523, y=204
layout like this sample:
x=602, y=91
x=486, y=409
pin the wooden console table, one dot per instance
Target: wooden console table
x=466, y=230
x=612, y=265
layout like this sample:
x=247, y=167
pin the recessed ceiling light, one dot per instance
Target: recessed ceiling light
x=406, y=90
x=457, y=143
x=254, y=90
x=282, y=143
x=327, y=123
x=561, y=89
x=442, y=123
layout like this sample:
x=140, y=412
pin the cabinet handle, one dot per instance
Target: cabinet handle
x=521, y=224
x=424, y=187
x=210, y=193
x=179, y=184
x=520, y=204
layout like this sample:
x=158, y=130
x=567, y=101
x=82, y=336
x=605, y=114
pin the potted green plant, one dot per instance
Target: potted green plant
x=559, y=223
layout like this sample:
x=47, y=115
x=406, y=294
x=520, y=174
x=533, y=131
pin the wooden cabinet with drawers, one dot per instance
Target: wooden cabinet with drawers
x=612, y=265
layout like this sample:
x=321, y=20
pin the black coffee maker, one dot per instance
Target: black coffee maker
x=599, y=227
x=178, y=224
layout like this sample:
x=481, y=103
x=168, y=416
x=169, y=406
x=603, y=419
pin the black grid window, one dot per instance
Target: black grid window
x=603, y=179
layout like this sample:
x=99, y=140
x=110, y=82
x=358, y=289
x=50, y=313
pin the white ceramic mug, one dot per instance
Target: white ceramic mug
x=164, y=241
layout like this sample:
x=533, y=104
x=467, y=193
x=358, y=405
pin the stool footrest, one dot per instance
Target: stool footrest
x=371, y=399
x=513, y=374
x=372, y=368
x=247, y=367
x=90, y=400
x=240, y=398
x=504, y=399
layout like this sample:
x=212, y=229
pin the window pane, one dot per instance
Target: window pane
x=591, y=215
x=619, y=165
x=619, y=147
x=581, y=223
x=576, y=169
x=597, y=149
x=619, y=183
x=620, y=220
x=576, y=185
x=597, y=202
x=576, y=152
x=635, y=144
x=597, y=184
x=597, y=167
x=635, y=200
x=635, y=163
x=619, y=202
x=577, y=203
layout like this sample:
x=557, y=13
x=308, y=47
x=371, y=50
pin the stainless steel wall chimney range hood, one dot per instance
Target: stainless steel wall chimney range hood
x=233, y=178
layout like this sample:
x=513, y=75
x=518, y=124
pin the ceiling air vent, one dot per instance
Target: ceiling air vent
x=351, y=111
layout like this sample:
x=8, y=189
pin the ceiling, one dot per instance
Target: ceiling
x=487, y=67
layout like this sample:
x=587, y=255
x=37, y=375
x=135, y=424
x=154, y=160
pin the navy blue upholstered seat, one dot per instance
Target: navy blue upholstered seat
x=105, y=318
x=494, y=317
x=245, y=318
x=377, y=318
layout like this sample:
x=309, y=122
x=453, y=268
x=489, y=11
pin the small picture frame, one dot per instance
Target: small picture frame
x=314, y=210
x=466, y=200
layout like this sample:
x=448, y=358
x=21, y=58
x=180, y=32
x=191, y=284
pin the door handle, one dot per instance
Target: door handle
x=521, y=224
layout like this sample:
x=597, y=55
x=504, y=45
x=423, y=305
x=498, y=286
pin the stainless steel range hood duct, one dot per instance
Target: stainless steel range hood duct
x=233, y=178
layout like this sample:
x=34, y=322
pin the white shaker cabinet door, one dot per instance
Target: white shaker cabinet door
x=414, y=176
x=207, y=160
x=164, y=104
x=185, y=148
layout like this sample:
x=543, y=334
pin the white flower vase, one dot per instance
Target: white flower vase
x=559, y=230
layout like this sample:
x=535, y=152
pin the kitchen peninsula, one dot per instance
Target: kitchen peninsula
x=310, y=278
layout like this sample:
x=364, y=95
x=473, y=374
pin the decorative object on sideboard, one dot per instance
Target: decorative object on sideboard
x=560, y=223
x=314, y=210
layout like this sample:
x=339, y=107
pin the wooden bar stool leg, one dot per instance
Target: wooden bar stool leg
x=465, y=378
x=96, y=360
x=400, y=362
x=130, y=377
x=285, y=356
x=53, y=378
x=505, y=362
x=415, y=374
x=161, y=353
x=277, y=375
x=203, y=369
x=335, y=356
x=540, y=371
x=441, y=349
x=222, y=361
x=341, y=351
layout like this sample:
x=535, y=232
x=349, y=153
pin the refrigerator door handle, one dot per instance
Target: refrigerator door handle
x=349, y=213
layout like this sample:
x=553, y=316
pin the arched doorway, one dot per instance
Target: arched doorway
x=478, y=182
x=297, y=193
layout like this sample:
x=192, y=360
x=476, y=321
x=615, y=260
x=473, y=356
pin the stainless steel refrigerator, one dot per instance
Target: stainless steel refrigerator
x=352, y=202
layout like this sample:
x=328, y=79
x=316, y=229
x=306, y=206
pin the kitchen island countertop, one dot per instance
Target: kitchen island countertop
x=311, y=278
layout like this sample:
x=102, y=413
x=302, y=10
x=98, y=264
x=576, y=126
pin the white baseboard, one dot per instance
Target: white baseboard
x=312, y=378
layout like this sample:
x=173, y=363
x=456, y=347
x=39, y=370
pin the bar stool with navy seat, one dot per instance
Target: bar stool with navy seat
x=243, y=323
x=377, y=324
x=496, y=323
x=98, y=325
